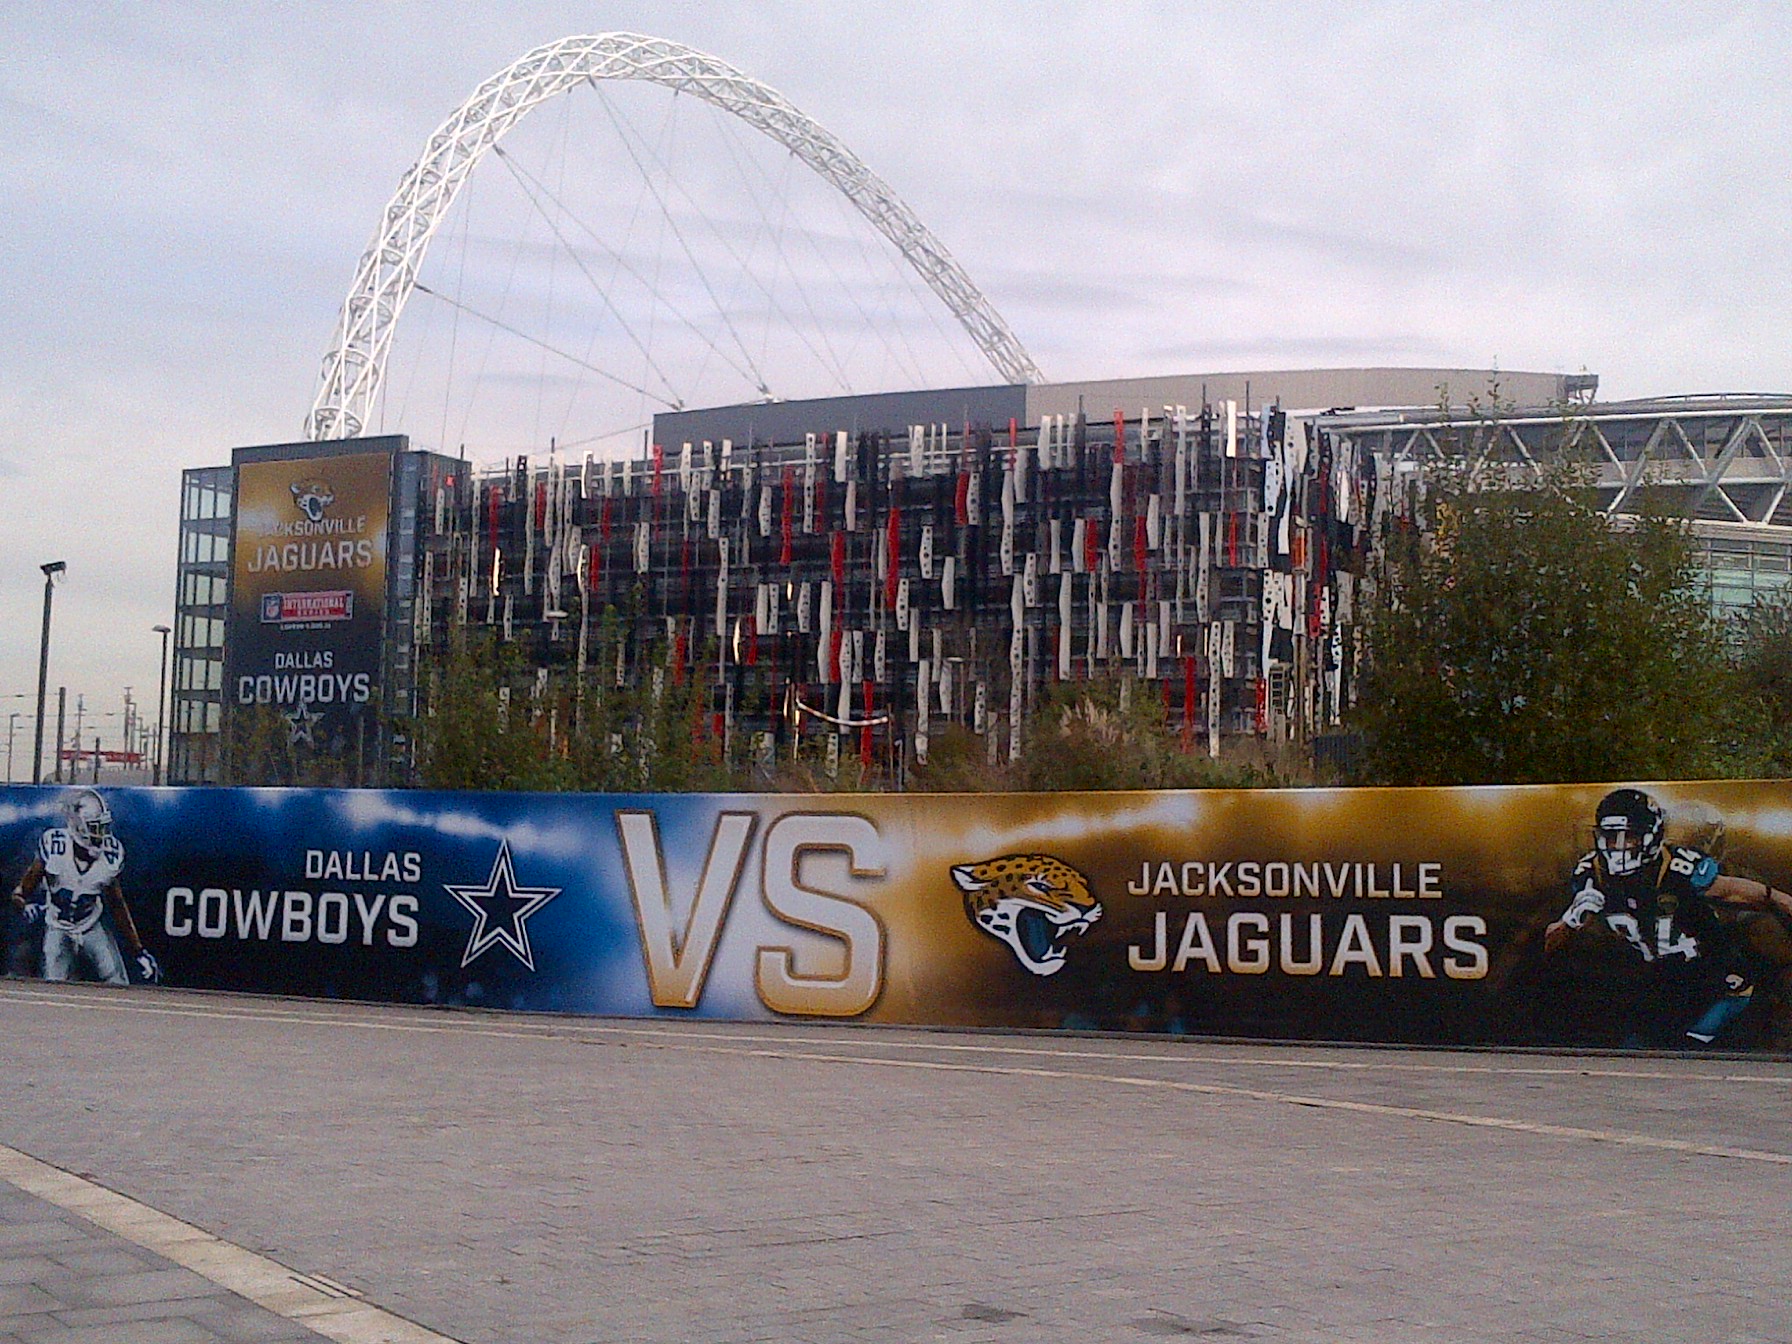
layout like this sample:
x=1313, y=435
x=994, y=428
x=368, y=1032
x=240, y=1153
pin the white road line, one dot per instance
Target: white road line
x=576, y=1028
x=1285, y=1098
x=1268, y=1060
x=309, y=1300
x=729, y=1043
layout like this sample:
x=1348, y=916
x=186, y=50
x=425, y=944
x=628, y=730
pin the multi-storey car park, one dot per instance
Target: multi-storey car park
x=879, y=566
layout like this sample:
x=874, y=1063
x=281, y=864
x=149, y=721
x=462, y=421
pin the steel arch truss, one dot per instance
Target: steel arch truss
x=355, y=364
x=1714, y=459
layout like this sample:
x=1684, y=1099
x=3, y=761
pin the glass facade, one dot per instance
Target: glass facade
x=196, y=700
x=1739, y=571
x=423, y=494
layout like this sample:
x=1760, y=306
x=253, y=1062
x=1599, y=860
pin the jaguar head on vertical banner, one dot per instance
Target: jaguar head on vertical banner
x=312, y=498
x=1032, y=902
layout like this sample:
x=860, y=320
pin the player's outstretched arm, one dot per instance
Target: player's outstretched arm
x=121, y=918
x=127, y=928
x=21, y=894
x=1748, y=894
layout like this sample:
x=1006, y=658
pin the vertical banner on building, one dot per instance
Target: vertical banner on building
x=308, y=589
x=1576, y=915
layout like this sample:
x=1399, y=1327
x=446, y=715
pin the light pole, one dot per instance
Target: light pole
x=161, y=701
x=50, y=570
x=12, y=722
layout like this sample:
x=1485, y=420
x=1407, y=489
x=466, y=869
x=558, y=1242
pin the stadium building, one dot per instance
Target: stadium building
x=869, y=568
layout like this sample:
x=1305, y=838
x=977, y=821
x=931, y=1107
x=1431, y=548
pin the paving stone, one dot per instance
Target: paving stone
x=109, y=1261
x=26, y=1299
x=27, y=1268
x=96, y=1286
x=141, y=1332
x=36, y=1234
x=559, y=1181
x=241, y=1323
x=204, y=1308
x=137, y=1286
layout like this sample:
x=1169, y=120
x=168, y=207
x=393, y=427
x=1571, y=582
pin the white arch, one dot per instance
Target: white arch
x=356, y=361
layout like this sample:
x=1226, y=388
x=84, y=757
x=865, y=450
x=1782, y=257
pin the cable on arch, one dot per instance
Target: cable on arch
x=354, y=365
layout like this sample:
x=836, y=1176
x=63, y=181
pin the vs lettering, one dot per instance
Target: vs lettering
x=678, y=960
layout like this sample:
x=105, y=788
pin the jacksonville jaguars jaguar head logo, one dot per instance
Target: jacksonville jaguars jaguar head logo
x=1032, y=902
x=312, y=498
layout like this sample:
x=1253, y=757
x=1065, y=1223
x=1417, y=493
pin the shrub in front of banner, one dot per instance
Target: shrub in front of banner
x=1655, y=915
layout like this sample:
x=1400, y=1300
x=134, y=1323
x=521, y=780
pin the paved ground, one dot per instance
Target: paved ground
x=64, y=1281
x=551, y=1181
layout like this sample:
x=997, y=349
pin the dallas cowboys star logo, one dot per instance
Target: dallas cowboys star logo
x=301, y=720
x=500, y=909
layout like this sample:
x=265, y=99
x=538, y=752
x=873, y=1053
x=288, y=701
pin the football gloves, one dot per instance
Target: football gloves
x=1588, y=901
x=33, y=914
x=148, y=968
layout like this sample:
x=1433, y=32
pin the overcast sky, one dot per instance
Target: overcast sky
x=1137, y=188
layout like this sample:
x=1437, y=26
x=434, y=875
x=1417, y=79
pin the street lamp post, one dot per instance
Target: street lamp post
x=50, y=570
x=161, y=702
x=12, y=722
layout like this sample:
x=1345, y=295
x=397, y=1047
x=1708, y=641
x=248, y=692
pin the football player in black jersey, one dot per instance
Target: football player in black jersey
x=1675, y=911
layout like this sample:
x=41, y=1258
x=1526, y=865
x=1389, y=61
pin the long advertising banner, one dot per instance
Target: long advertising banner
x=1520, y=915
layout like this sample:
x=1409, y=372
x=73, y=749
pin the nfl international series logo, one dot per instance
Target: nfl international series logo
x=291, y=608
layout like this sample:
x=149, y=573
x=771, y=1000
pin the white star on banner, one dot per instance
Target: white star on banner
x=500, y=909
x=301, y=719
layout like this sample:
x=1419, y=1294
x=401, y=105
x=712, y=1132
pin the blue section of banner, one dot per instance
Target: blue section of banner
x=495, y=900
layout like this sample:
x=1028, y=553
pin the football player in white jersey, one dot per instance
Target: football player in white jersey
x=77, y=865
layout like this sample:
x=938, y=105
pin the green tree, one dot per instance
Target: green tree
x=1763, y=640
x=492, y=721
x=1083, y=736
x=957, y=762
x=481, y=727
x=259, y=751
x=1114, y=733
x=1519, y=636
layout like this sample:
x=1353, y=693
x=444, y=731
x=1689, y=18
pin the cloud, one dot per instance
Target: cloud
x=367, y=809
x=12, y=813
x=1136, y=187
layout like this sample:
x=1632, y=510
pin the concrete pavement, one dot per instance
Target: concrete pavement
x=567, y=1181
x=65, y=1281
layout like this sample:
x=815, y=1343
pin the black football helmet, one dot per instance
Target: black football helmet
x=1628, y=829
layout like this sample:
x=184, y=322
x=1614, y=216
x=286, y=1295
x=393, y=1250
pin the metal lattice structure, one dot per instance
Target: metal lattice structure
x=355, y=364
x=1722, y=462
x=1719, y=459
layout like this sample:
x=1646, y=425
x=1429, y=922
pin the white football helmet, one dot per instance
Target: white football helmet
x=89, y=819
